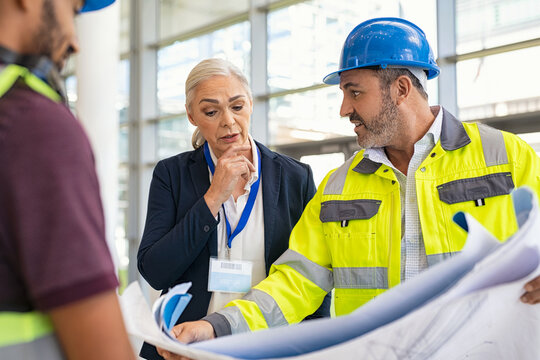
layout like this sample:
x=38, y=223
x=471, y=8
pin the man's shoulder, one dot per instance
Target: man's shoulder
x=24, y=109
x=487, y=133
x=33, y=124
x=21, y=96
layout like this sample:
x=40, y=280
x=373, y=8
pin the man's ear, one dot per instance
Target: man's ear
x=403, y=86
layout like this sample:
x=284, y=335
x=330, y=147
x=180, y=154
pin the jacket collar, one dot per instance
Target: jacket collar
x=453, y=134
x=367, y=166
x=453, y=137
x=198, y=171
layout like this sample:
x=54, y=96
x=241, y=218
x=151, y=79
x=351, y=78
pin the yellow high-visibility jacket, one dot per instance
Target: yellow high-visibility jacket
x=349, y=236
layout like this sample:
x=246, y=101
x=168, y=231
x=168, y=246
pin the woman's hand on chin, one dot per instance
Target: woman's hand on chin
x=230, y=168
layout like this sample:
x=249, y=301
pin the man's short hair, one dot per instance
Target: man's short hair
x=389, y=75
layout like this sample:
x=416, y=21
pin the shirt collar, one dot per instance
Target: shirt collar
x=435, y=128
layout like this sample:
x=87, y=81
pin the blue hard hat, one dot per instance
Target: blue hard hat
x=385, y=41
x=91, y=5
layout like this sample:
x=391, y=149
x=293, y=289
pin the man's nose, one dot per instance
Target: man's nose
x=346, y=108
x=73, y=46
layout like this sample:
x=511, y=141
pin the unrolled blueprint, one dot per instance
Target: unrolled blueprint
x=466, y=307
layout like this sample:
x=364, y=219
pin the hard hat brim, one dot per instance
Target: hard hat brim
x=93, y=5
x=334, y=77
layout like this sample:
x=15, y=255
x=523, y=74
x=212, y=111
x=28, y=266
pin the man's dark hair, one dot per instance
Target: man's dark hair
x=389, y=75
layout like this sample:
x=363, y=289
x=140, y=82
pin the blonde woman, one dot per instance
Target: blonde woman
x=229, y=204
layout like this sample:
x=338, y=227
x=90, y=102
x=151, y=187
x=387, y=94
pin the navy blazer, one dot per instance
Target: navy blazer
x=180, y=232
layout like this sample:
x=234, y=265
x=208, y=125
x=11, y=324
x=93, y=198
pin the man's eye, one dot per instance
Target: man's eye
x=355, y=93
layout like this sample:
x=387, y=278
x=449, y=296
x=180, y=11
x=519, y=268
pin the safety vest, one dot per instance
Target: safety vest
x=26, y=335
x=349, y=236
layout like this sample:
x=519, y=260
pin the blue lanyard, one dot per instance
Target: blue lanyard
x=249, y=205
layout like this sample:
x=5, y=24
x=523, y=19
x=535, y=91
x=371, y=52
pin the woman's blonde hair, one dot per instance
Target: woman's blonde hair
x=203, y=71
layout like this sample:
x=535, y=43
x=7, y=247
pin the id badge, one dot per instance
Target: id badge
x=229, y=276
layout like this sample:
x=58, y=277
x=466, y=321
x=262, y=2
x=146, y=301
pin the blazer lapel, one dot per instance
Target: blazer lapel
x=198, y=170
x=271, y=171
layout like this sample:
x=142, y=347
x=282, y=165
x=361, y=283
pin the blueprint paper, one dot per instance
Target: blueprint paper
x=488, y=325
x=168, y=307
x=387, y=307
x=464, y=308
x=141, y=324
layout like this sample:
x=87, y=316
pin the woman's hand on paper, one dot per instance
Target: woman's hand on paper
x=193, y=331
x=189, y=332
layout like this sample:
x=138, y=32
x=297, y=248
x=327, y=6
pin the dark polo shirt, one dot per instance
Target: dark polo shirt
x=52, y=240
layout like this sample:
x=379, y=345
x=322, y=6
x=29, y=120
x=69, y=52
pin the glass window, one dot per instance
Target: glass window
x=122, y=96
x=181, y=16
x=307, y=116
x=176, y=61
x=174, y=136
x=502, y=22
x=304, y=44
x=305, y=40
x=123, y=144
x=489, y=86
x=125, y=9
x=322, y=164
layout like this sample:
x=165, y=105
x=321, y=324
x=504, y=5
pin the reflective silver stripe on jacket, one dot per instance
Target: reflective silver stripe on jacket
x=437, y=258
x=493, y=145
x=361, y=277
x=336, y=181
x=319, y=275
x=268, y=306
x=236, y=319
x=46, y=347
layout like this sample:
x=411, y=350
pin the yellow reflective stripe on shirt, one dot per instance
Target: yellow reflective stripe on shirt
x=17, y=328
x=10, y=75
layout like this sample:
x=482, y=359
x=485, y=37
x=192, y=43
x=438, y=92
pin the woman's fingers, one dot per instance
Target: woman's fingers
x=230, y=168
